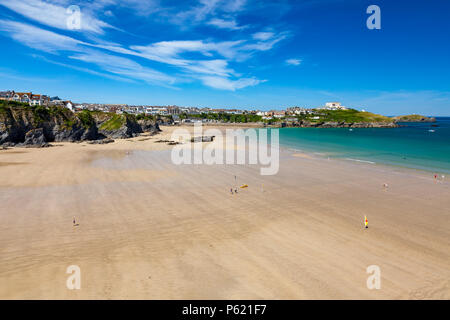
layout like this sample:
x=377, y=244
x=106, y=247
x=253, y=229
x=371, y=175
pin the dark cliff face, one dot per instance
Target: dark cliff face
x=150, y=126
x=117, y=126
x=55, y=124
x=23, y=125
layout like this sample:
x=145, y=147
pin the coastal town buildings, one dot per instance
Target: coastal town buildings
x=56, y=101
x=26, y=97
x=277, y=113
x=289, y=114
x=297, y=111
x=173, y=110
x=333, y=106
x=38, y=99
x=6, y=95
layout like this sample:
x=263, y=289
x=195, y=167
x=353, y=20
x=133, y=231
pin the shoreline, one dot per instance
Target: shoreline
x=223, y=126
x=149, y=229
x=391, y=166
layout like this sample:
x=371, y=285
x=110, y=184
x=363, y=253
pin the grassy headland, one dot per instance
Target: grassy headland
x=344, y=116
x=413, y=118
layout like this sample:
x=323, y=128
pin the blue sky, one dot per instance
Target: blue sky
x=235, y=53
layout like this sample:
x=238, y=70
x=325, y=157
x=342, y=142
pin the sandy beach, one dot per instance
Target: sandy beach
x=149, y=229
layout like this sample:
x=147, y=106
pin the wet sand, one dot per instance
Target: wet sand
x=149, y=229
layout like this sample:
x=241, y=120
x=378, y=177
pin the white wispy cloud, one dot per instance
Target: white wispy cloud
x=38, y=38
x=206, y=60
x=51, y=42
x=294, y=62
x=86, y=70
x=228, y=84
x=54, y=14
x=263, y=35
x=169, y=51
x=214, y=73
x=124, y=67
x=197, y=13
x=213, y=67
x=140, y=7
x=267, y=41
x=209, y=9
x=234, y=5
x=230, y=24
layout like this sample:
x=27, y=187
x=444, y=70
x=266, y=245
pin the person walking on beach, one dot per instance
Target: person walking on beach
x=231, y=189
x=74, y=221
x=366, y=222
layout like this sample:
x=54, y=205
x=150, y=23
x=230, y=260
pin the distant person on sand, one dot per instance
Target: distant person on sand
x=231, y=189
x=235, y=190
x=74, y=221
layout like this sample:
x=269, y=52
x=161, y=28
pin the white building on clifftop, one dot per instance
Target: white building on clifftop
x=334, y=106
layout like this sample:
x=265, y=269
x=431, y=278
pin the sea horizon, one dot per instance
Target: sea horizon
x=414, y=145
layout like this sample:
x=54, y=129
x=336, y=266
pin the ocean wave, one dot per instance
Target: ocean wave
x=358, y=160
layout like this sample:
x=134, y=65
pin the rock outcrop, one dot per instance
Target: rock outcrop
x=35, y=137
x=149, y=126
x=23, y=125
x=119, y=127
x=203, y=139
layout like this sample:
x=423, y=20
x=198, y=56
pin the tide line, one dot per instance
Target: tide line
x=358, y=160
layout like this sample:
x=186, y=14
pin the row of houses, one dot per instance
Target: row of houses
x=39, y=99
x=26, y=97
x=155, y=110
x=34, y=99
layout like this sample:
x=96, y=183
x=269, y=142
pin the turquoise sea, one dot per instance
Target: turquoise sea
x=423, y=146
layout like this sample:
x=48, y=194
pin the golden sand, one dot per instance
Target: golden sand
x=151, y=230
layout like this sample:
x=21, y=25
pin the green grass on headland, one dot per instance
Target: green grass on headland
x=114, y=123
x=143, y=116
x=86, y=118
x=413, y=118
x=39, y=114
x=345, y=116
x=318, y=115
x=224, y=117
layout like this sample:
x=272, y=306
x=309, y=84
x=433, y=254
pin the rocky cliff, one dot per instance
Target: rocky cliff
x=117, y=126
x=23, y=125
